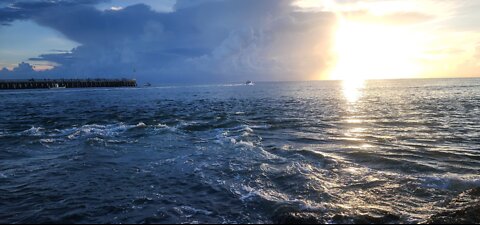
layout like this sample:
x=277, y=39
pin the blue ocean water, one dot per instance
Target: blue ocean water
x=234, y=153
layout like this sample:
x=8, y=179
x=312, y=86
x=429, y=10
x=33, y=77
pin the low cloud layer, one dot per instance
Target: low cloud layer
x=208, y=40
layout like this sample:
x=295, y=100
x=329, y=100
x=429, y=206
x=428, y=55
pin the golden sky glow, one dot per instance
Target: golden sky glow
x=367, y=51
x=383, y=39
x=230, y=40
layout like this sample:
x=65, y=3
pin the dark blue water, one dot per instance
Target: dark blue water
x=236, y=153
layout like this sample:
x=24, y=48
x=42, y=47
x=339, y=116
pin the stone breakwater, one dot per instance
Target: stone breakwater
x=66, y=83
x=464, y=209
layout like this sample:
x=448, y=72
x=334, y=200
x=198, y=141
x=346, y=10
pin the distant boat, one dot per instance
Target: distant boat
x=147, y=85
x=249, y=82
x=57, y=86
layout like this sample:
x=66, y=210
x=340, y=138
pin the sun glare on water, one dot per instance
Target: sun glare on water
x=353, y=89
x=373, y=51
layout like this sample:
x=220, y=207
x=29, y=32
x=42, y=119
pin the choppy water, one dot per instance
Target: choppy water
x=236, y=153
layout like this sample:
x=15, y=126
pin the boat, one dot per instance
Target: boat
x=57, y=86
x=249, y=82
x=147, y=85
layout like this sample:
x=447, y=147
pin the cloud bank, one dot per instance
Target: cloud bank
x=199, y=41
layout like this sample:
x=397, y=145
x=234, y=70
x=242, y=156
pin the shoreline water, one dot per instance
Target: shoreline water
x=272, y=152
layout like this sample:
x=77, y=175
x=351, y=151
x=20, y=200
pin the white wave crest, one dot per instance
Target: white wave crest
x=451, y=182
x=34, y=132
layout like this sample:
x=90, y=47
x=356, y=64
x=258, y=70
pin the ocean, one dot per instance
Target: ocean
x=331, y=151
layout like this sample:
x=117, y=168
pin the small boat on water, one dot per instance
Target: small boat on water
x=57, y=86
x=249, y=82
x=147, y=85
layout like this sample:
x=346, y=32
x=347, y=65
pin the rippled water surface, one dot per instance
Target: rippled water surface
x=236, y=153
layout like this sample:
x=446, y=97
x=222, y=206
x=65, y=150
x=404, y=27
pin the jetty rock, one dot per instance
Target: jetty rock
x=464, y=209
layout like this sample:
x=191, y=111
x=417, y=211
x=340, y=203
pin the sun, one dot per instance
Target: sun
x=374, y=51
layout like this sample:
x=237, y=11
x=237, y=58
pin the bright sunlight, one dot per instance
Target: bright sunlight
x=374, y=51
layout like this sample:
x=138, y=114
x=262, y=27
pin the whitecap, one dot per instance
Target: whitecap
x=246, y=144
x=247, y=194
x=261, y=126
x=34, y=131
x=47, y=141
x=223, y=138
x=74, y=135
x=96, y=139
x=117, y=141
x=240, y=136
x=248, y=129
x=451, y=182
x=99, y=130
x=141, y=125
x=161, y=125
x=245, y=134
x=242, y=128
x=190, y=211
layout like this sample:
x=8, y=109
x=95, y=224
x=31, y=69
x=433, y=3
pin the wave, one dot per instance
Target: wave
x=98, y=130
x=189, y=211
x=49, y=136
x=462, y=209
x=242, y=136
x=453, y=182
x=263, y=127
x=161, y=125
x=47, y=141
x=34, y=131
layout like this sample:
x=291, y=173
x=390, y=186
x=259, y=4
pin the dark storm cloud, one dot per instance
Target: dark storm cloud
x=24, y=9
x=209, y=40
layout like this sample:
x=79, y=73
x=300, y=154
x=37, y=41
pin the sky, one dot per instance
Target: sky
x=237, y=40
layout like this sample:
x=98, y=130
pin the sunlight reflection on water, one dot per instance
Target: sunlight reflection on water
x=353, y=89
